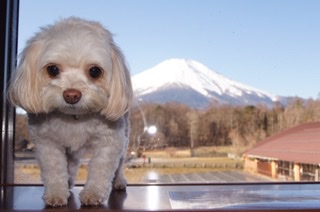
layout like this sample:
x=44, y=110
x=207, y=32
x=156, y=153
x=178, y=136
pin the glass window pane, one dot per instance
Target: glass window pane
x=225, y=91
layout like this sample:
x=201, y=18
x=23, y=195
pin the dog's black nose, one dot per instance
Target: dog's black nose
x=72, y=96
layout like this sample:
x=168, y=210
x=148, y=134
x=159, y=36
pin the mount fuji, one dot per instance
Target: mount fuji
x=192, y=83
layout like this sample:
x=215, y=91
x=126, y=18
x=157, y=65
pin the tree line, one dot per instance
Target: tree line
x=217, y=125
x=241, y=126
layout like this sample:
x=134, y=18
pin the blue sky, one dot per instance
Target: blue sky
x=272, y=45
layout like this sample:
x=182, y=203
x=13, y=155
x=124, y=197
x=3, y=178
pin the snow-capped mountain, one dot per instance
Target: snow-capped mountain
x=192, y=83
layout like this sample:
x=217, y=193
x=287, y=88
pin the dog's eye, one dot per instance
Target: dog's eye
x=95, y=72
x=53, y=70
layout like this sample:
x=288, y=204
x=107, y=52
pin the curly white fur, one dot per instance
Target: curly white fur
x=73, y=82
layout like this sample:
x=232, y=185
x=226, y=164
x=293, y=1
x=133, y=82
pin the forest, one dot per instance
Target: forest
x=218, y=125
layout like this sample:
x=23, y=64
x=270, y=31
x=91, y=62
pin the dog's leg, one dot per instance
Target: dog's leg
x=54, y=174
x=119, y=181
x=73, y=165
x=102, y=168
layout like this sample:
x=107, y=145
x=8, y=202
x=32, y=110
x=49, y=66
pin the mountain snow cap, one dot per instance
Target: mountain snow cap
x=191, y=74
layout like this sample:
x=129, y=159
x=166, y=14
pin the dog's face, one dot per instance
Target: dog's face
x=72, y=67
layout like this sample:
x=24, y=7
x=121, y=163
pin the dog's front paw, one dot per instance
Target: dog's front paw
x=56, y=199
x=119, y=184
x=90, y=197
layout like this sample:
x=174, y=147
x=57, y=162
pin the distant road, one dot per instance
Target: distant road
x=194, y=162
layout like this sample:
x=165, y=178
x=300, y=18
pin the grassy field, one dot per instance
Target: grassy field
x=169, y=161
x=31, y=174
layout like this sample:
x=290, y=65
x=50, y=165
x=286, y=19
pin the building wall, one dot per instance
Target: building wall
x=282, y=170
x=250, y=165
x=264, y=167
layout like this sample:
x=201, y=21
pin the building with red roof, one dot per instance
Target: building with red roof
x=293, y=154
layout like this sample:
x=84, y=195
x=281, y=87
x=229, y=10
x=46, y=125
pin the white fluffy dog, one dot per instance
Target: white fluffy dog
x=73, y=82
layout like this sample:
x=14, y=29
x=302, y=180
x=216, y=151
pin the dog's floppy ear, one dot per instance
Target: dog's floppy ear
x=120, y=88
x=24, y=88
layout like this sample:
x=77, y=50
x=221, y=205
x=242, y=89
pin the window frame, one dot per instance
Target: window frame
x=9, y=17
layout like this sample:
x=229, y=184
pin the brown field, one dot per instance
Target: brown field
x=31, y=175
x=169, y=161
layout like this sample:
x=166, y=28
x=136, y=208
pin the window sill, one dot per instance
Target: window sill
x=231, y=197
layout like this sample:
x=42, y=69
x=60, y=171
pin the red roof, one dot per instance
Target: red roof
x=298, y=144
